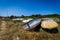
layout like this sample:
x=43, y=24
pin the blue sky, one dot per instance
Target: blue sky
x=29, y=7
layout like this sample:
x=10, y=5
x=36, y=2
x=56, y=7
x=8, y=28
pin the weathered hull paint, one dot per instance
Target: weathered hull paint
x=32, y=24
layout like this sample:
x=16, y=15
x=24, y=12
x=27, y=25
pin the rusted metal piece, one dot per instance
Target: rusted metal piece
x=32, y=24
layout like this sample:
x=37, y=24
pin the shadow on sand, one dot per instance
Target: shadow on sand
x=55, y=30
x=37, y=28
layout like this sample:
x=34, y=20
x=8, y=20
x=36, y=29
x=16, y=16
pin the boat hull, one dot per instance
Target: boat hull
x=32, y=24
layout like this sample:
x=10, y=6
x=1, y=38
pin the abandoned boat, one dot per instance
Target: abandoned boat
x=32, y=24
x=49, y=24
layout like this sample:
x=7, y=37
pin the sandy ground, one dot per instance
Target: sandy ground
x=14, y=31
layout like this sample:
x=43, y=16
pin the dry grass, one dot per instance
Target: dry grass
x=14, y=31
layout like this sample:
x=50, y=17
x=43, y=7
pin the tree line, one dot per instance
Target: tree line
x=34, y=16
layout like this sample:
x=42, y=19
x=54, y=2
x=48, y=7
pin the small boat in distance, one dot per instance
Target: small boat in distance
x=32, y=24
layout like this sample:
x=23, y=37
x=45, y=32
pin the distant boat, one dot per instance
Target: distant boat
x=32, y=24
x=25, y=21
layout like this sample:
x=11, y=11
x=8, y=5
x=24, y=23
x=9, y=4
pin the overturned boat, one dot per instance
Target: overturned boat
x=32, y=24
x=49, y=24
